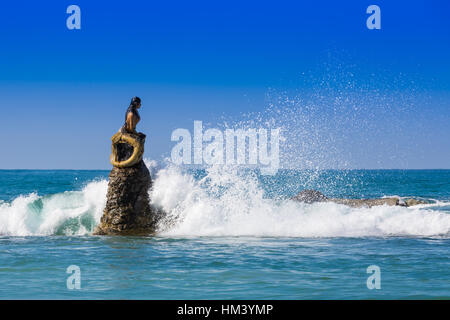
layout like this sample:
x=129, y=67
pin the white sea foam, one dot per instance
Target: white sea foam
x=226, y=202
x=71, y=212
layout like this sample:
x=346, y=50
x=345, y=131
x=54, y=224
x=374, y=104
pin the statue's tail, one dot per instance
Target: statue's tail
x=134, y=141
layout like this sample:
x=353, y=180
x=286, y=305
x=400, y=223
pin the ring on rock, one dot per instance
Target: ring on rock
x=133, y=141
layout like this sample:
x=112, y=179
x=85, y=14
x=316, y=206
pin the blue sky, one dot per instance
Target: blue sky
x=380, y=97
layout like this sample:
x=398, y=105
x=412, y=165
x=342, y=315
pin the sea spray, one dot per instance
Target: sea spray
x=227, y=202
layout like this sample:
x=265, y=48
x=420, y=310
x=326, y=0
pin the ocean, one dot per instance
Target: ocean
x=234, y=235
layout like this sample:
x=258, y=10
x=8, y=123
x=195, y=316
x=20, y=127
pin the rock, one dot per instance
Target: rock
x=357, y=203
x=128, y=210
x=310, y=196
x=414, y=202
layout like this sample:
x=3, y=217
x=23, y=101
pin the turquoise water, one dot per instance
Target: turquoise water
x=236, y=237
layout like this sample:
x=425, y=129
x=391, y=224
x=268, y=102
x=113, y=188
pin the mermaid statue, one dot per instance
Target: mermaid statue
x=128, y=210
x=127, y=144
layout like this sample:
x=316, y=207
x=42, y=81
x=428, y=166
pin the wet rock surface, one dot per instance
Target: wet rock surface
x=357, y=203
x=414, y=202
x=311, y=196
x=128, y=210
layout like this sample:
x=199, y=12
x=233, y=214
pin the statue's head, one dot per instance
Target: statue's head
x=135, y=102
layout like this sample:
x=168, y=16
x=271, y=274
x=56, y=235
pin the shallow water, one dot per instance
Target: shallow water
x=223, y=268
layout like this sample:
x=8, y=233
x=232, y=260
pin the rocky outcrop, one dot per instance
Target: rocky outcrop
x=357, y=203
x=311, y=196
x=128, y=210
x=414, y=202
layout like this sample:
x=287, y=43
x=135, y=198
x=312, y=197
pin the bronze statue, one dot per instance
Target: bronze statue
x=128, y=210
x=132, y=116
x=127, y=144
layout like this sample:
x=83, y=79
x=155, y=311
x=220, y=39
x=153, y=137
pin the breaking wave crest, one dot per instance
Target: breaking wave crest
x=67, y=213
x=224, y=202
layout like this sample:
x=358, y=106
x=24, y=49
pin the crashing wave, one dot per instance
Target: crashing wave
x=225, y=202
